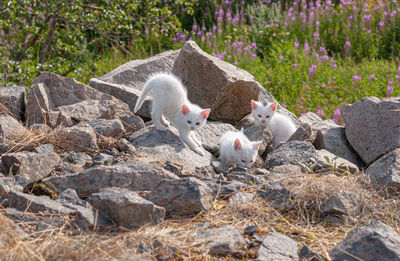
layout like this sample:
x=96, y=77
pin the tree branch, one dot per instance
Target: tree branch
x=53, y=24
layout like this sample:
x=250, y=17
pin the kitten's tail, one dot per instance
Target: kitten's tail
x=146, y=89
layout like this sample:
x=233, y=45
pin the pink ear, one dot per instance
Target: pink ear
x=254, y=105
x=185, y=109
x=258, y=143
x=205, y=113
x=237, y=145
x=274, y=105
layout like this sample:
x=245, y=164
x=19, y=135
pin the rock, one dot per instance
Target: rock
x=126, y=208
x=103, y=159
x=11, y=132
x=303, y=133
x=385, y=172
x=159, y=147
x=87, y=110
x=134, y=176
x=250, y=230
x=70, y=196
x=372, y=126
x=131, y=123
x=277, y=194
x=6, y=184
x=16, y=214
x=126, y=146
x=331, y=161
x=245, y=178
x=210, y=135
x=35, y=165
x=50, y=91
x=246, y=122
x=213, y=83
x=12, y=101
x=260, y=133
x=221, y=188
x=186, y=196
x=331, y=137
x=277, y=246
x=294, y=152
x=127, y=81
x=284, y=171
x=26, y=202
x=239, y=198
x=220, y=241
x=342, y=203
x=375, y=241
x=78, y=138
x=45, y=148
x=87, y=218
x=307, y=254
x=80, y=159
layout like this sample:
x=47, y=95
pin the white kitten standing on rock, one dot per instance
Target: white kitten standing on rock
x=236, y=149
x=280, y=125
x=170, y=100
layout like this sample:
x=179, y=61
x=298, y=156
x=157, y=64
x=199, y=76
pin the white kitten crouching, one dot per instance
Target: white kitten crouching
x=280, y=125
x=170, y=104
x=236, y=149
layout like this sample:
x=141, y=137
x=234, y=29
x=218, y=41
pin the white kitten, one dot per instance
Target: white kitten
x=281, y=126
x=170, y=100
x=236, y=149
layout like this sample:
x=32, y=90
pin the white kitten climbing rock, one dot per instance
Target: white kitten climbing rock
x=236, y=149
x=281, y=126
x=170, y=103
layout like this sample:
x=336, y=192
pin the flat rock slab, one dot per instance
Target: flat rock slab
x=277, y=246
x=375, y=241
x=26, y=202
x=80, y=137
x=385, y=172
x=220, y=241
x=213, y=83
x=210, y=135
x=126, y=208
x=342, y=203
x=294, y=153
x=126, y=81
x=12, y=101
x=161, y=147
x=108, y=128
x=372, y=126
x=339, y=164
x=50, y=91
x=187, y=196
x=35, y=165
x=134, y=176
x=11, y=132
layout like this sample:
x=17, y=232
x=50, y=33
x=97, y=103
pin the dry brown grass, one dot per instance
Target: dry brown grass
x=174, y=237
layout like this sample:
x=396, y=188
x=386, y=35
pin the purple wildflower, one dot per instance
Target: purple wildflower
x=296, y=44
x=194, y=27
x=371, y=76
x=356, y=78
x=280, y=57
x=313, y=68
x=336, y=113
x=320, y=112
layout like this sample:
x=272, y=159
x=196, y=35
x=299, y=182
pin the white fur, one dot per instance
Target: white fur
x=281, y=126
x=169, y=95
x=244, y=157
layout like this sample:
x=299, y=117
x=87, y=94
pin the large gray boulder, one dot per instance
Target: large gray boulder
x=11, y=132
x=12, y=101
x=210, y=135
x=134, y=176
x=126, y=208
x=331, y=137
x=277, y=246
x=385, y=172
x=213, y=83
x=126, y=81
x=372, y=126
x=220, y=241
x=375, y=241
x=161, y=147
x=51, y=91
x=187, y=196
x=35, y=165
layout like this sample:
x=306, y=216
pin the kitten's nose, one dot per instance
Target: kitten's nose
x=262, y=121
x=192, y=128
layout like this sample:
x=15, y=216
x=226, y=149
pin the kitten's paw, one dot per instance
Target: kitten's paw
x=161, y=128
x=199, y=151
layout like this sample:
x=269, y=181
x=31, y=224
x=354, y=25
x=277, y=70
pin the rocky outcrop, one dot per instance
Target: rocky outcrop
x=12, y=101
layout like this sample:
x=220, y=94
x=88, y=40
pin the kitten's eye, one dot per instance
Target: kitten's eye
x=267, y=116
x=259, y=115
x=189, y=122
x=243, y=161
x=251, y=161
x=197, y=123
